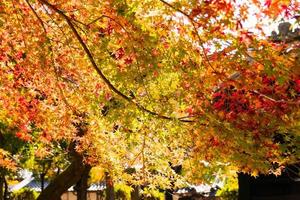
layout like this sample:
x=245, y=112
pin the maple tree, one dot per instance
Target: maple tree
x=129, y=83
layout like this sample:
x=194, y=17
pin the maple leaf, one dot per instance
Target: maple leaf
x=146, y=82
x=268, y=3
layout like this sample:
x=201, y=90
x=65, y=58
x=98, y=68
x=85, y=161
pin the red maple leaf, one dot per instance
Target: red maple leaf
x=268, y=3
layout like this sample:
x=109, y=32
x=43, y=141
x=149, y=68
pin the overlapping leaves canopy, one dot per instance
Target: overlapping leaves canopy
x=157, y=81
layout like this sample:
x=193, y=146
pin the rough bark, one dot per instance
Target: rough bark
x=110, y=195
x=82, y=185
x=63, y=181
x=74, y=171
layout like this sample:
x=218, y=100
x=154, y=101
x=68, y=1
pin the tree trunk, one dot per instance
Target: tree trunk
x=1, y=186
x=82, y=185
x=134, y=195
x=168, y=194
x=5, y=195
x=110, y=195
x=58, y=171
x=74, y=171
x=63, y=181
x=42, y=176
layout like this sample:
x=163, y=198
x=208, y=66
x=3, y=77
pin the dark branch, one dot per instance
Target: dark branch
x=37, y=16
x=99, y=72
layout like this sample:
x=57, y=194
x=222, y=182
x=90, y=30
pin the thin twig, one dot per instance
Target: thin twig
x=99, y=72
x=274, y=100
x=192, y=21
x=37, y=16
x=129, y=35
x=52, y=59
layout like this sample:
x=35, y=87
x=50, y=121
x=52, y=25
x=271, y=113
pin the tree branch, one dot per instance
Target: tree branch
x=274, y=100
x=99, y=72
x=192, y=21
x=52, y=59
x=37, y=16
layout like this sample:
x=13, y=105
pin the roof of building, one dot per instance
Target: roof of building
x=35, y=185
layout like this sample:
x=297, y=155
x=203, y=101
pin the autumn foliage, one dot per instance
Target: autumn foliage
x=152, y=83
